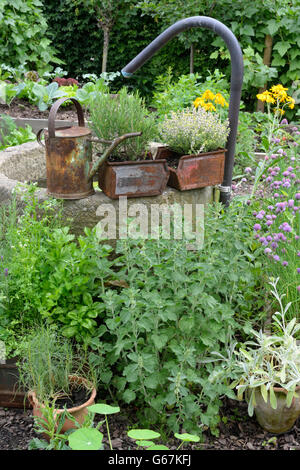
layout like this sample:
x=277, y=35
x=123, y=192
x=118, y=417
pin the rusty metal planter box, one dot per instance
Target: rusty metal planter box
x=10, y=394
x=198, y=171
x=133, y=179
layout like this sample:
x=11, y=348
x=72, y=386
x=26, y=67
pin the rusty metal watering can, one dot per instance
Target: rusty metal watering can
x=70, y=169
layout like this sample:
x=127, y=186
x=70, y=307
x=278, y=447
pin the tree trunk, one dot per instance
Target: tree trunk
x=106, y=32
x=267, y=61
x=192, y=50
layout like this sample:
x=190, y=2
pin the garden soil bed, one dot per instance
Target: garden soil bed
x=23, y=109
x=237, y=432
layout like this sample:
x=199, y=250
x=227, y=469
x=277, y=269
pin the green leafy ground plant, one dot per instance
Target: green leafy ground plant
x=12, y=135
x=88, y=437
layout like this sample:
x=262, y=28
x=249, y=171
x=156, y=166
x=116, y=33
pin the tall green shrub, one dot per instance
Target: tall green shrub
x=70, y=20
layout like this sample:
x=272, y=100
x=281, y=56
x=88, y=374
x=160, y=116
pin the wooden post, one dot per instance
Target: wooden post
x=192, y=51
x=267, y=61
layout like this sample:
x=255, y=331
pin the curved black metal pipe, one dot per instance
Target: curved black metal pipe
x=236, y=81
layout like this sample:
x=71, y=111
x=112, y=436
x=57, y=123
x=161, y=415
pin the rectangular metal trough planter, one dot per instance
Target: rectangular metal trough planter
x=133, y=179
x=195, y=171
x=11, y=396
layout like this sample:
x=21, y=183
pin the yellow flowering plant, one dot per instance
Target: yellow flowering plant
x=210, y=101
x=277, y=99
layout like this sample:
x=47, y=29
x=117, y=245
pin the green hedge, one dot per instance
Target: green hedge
x=75, y=33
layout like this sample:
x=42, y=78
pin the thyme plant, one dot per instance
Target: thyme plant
x=192, y=131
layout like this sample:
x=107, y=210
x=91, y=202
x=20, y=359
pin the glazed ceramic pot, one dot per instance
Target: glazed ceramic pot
x=11, y=393
x=280, y=420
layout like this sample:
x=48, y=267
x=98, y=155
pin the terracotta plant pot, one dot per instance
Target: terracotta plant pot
x=283, y=418
x=78, y=412
x=133, y=179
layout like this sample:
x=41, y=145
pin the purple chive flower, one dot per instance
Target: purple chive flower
x=298, y=288
x=269, y=238
x=284, y=121
x=276, y=195
x=248, y=169
x=285, y=227
x=298, y=254
x=6, y=272
x=268, y=251
x=285, y=263
x=259, y=216
x=297, y=196
x=276, y=258
x=291, y=203
x=257, y=227
x=298, y=270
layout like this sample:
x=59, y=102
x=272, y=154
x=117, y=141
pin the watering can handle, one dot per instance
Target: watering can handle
x=39, y=135
x=53, y=111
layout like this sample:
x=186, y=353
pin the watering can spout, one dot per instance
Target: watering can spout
x=113, y=144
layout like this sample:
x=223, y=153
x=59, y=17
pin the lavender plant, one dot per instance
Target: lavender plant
x=192, y=131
